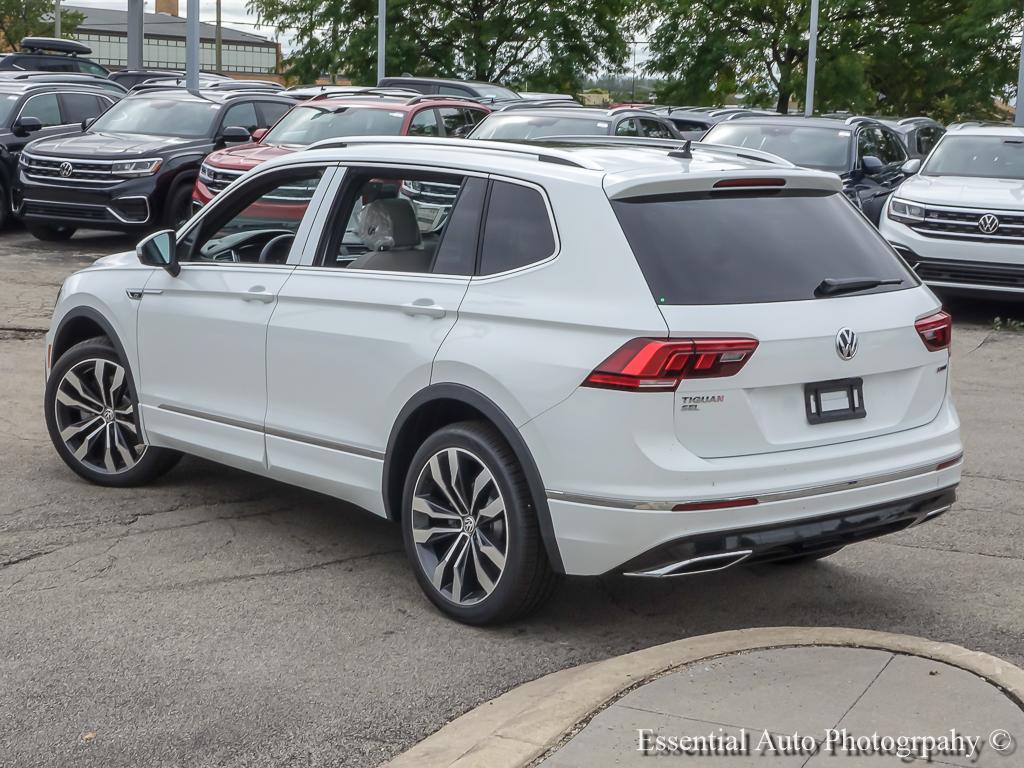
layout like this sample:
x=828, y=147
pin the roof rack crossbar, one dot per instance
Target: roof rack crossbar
x=543, y=154
x=440, y=97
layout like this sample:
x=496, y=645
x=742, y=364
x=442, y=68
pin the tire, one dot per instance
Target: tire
x=5, y=206
x=91, y=414
x=809, y=558
x=179, y=205
x=49, y=234
x=494, y=535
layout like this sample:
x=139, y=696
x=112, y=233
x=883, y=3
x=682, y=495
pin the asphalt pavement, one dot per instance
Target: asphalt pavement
x=217, y=618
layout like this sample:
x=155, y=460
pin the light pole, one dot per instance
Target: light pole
x=1018, y=113
x=382, y=12
x=812, y=60
x=56, y=19
x=192, y=46
x=217, y=43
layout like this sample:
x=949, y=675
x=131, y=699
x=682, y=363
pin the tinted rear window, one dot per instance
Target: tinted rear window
x=745, y=250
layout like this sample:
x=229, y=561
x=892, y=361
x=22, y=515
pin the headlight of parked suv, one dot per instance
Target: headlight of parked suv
x=131, y=168
x=905, y=212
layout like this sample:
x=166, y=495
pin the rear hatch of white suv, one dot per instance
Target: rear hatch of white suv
x=792, y=323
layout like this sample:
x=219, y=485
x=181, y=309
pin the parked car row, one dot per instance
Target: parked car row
x=64, y=183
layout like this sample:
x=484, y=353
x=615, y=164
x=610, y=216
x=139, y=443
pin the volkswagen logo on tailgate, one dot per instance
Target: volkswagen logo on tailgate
x=66, y=169
x=988, y=224
x=846, y=344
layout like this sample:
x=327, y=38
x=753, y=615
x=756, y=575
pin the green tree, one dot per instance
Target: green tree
x=945, y=57
x=28, y=18
x=547, y=44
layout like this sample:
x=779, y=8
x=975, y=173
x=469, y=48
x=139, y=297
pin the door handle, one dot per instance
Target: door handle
x=258, y=293
x=424, y=307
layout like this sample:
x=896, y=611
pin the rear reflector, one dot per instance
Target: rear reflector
x=658, y=365
x=694, y=506
x=726, y=183
x=936, y=331
x=949, y=463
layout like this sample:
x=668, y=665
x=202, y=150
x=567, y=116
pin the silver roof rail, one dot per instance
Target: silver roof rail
x=543, y=154
x=677, y=145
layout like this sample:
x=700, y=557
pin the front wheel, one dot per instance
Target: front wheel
x=49, y=234
x=470, y=529
x=92, y=416
x=179, y=206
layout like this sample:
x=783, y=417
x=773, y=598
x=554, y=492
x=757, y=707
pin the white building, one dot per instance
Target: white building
x=106, y=32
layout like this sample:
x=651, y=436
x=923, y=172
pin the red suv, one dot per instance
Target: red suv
x=373, y=112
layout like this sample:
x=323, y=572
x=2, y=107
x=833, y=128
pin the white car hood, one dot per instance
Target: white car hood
x=964, y=191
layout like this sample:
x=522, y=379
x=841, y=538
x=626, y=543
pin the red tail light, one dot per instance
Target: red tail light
x=658, y=365
x=936, y=331
x=726, y=183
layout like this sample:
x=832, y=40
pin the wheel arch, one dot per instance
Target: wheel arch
x=83, y=323
x=441, y=404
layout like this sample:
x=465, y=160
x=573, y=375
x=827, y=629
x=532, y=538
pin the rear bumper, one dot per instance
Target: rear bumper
x=713, y=551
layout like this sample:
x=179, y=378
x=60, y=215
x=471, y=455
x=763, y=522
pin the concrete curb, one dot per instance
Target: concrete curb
x=516, y=728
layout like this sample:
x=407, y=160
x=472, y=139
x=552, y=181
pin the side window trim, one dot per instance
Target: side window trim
x=477, y=277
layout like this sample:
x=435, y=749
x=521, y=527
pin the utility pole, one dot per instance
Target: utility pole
x=1018, y=111
x=812, y=60
x=192, y=46
x=382, y=13
x=219, y=66
x=56, y=19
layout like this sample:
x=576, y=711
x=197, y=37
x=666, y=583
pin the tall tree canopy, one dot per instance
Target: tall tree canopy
x=946, y=57
x=548, y=44
x=28, y=18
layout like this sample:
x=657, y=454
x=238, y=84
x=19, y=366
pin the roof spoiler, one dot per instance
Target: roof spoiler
x=673, y=145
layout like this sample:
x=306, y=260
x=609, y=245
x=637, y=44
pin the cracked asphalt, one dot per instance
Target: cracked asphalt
x=217, y=618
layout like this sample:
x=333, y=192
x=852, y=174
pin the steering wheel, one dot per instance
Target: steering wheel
x=273, y=245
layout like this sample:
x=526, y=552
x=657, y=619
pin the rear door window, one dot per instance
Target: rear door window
x=654, y=129
x=517, y=231
x=77, y=107
x=697, y=249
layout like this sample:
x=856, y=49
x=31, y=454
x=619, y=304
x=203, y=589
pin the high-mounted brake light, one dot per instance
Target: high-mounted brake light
x=750, y=183
x=936, y=331
x=658, y=365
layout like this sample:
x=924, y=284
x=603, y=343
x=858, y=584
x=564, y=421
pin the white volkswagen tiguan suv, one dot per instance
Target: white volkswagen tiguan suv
x=960, y=221
x=606, y=359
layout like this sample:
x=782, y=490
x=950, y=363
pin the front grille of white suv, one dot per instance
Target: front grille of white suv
x=964, y=224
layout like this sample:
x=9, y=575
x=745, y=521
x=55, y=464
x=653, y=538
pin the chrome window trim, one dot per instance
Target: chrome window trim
x=788, y=495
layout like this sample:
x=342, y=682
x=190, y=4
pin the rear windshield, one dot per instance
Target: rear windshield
x=825, y=149
x=538, y=127
x=306, y=124
x=747, y=250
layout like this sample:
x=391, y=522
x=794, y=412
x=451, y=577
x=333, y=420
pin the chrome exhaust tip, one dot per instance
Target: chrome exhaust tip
x=703, y=564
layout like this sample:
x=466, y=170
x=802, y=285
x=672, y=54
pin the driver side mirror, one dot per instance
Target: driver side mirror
x=234, y=134
x=871, y=165
x=23, y=126
x=259, y=133
x=157, y=250
x=911, y=167
x=87, y=122
x=463, y=131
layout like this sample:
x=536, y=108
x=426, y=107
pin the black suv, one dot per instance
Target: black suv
x=31, y=110
x=51, y=54
x=867, y=155
x=134, y=167
x=473, y=89
x=545, y=122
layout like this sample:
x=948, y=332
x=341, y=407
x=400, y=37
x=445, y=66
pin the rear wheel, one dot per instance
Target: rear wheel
x=49, y=233
x=92, y=416
x=470, y=529
x=5, y=206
